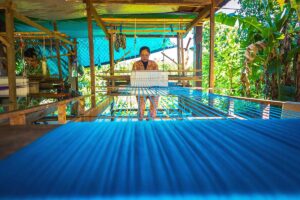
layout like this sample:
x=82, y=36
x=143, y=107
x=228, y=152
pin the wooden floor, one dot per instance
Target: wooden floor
x=12, y=138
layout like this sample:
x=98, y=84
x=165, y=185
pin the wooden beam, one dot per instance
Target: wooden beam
x=11, y=57
x=185, y=3
x=198, y=39
x=138, y=20
x=99, y=21
x=57, y=48
x=28, y=21
x=151, y=36
x=290, y=110
x=171, y=59
x=204, y=12
x=39, y=108
x=91, y=52
x=146, y=31
x=66, y=54
x=34, y=33
x=91, y=114
x=4, y=41
x=18, y=120
x=212, y=47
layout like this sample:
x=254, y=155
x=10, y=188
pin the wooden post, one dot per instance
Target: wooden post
x=212, y=47
x=178, y=53
x=290, y=110
x=62, y=113
x=182, y=54
x=57, y=47
x=18, y=120
x=91, y=51
x=111, y=58
x=198, y=39
x=11, y=57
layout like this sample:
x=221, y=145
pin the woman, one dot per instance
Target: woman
x=146, y=64
x=33, y=64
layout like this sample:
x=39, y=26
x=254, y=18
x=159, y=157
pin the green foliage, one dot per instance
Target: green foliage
x=270, y=43
x=228, y=59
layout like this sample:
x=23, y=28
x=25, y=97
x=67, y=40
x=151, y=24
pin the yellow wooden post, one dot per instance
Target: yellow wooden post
x=91, y=51
x=212, y=47
x=62, y=113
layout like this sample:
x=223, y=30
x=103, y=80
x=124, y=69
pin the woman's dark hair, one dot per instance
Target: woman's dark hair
x=144, y=48
x=30, y=53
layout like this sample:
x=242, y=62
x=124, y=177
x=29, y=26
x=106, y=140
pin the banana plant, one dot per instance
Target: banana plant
x=272, y=49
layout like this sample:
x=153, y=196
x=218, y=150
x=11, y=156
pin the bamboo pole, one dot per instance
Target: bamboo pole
x=57, y=48
x=146, y=31
x=11, y=58
x=43, y=34
x=185, y=3
x=182, y=54
x=178, y=53
x=212, y=46
x=91, y=52
x=119, y=20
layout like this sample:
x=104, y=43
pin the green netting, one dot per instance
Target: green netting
x=78, y=29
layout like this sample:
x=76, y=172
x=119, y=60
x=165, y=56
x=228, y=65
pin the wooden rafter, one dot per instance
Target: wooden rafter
x=28, y=21
x=186, y=3
x=201, y=16
x=99, y=21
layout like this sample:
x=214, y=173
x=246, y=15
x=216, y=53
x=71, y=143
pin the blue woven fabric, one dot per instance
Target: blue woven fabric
x=242, y=159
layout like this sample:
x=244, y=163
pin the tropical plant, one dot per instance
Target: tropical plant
x=270, y=55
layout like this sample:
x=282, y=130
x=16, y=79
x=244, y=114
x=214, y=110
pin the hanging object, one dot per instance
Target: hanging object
x=22, y=46
x=44, y=67
x=120, y=40
x=135, y=38
x=44, y=60
x=74, y=67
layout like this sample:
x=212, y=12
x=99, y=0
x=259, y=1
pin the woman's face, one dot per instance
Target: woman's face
x=145, y=55
x=32, y=62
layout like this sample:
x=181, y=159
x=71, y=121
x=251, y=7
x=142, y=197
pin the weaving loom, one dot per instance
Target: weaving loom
x=209, y=159
x=177, y=103
x=149, y=78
